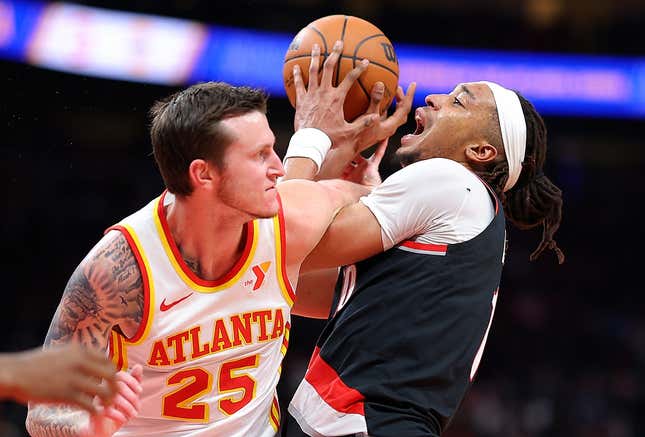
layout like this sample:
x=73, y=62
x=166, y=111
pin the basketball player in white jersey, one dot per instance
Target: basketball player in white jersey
x=197, y=286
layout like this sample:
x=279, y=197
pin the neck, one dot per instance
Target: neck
x=210, y=237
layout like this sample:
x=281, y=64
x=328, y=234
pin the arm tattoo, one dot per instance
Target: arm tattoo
x=55, y=421
x=105, y=290
x=104, y=293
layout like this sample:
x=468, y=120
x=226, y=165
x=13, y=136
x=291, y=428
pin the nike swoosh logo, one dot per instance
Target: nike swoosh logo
x=164, y=307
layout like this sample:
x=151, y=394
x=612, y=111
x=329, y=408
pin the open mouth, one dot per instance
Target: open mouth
x=421, y=121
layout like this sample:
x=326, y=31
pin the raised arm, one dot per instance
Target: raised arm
x=104, y=293
x=320, y=106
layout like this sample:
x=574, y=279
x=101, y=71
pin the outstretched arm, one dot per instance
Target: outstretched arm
x=105, y=291
x=309, y=207
x=354, y=235
x=27, y=376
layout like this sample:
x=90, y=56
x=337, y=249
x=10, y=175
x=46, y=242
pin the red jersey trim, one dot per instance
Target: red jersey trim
x=424, y=248
x=145, y=276
x=274, y=414
x=291, y=295
x=338, y=395
x=179, y=260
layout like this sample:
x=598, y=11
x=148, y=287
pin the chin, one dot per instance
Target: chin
x=269, y=211
x=407, y=157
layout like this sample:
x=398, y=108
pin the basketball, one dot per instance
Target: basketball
x=361, y=40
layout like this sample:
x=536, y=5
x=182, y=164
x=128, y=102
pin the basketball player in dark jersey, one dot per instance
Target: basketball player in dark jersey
x=408, y=325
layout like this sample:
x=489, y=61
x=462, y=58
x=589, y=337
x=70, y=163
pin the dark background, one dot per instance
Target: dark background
x=566, y=353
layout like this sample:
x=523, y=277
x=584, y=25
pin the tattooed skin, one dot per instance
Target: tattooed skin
x=104, y=293
x=192, y=264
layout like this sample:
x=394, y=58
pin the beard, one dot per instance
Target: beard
x=405, y=157
x=231, y=197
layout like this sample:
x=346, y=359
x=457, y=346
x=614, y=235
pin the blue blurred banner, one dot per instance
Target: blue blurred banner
x=145, y=48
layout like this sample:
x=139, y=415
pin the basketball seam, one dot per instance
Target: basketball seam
x=347, y=57
x=325, y=51
x=342, y=38
x=356, y=48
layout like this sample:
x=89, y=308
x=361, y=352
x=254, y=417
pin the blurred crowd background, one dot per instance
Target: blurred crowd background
x=566, y=354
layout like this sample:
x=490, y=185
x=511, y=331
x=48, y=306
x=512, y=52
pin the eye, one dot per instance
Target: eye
x=457, y=102
x=263, y=155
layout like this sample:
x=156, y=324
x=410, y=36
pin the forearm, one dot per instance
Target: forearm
x=336, y=160
x=299, y=168
x=8, y=377
x=305, y=154
x=56, y=421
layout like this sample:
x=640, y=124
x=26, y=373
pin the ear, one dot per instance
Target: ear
x=480, y=153
x=201, y=174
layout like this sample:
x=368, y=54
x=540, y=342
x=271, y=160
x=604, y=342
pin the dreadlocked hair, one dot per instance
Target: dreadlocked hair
x=534, y=199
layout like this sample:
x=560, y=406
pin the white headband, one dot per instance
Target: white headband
x=513, y=127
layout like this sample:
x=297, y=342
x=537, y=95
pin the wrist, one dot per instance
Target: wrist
x=10, y=365
x=309, y=143
x=6, y=383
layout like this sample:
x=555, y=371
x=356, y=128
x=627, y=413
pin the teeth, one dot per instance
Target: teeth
x=420, y=125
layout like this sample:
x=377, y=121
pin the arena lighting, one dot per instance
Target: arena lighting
x=145, y=48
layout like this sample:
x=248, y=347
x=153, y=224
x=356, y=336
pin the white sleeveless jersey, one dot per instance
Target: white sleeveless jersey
x=211, y=351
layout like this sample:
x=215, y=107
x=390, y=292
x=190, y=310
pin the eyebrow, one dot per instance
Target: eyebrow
x=465, y=89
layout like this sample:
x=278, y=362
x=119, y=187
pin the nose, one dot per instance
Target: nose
x=276, y=170
x=434, y=100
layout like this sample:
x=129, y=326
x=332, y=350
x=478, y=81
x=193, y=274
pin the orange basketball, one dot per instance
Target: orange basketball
x=362, y=40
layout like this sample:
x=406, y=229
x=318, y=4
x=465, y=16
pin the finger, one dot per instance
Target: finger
x=98, y=365
x=366, y=120
x=408, y=98
x=137, y=372
x=126, y=392
x=81, y=400
x=314, y=67
x=353, y=75
x=124, y=405
x=358, y=159
x=115, y=415
x=298, y=83
x=400, y=115
x=400, y=95
x=376, y=96
x=330, y=64
x=92, y=387
x=378, y=154
x=128, y=382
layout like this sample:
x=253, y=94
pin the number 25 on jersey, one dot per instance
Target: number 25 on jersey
x=195, y=382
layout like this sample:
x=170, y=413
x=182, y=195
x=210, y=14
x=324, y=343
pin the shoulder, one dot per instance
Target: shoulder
x=433, y=170
x=112, y=248
x=428, y=180
x=295, y=192
x=301, y=200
